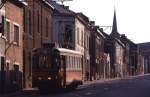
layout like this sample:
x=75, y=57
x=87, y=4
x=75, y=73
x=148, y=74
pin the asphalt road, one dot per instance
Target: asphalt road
x=130, y=87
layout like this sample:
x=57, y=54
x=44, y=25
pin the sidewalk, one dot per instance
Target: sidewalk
x=89, y=83
x=11, y=94
x=22, y=92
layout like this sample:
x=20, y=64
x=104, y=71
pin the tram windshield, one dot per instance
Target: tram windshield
x=45, y=59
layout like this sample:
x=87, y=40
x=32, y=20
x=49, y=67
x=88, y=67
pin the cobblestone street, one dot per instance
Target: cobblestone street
x=130, y=87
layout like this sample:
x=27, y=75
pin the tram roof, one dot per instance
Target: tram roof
x=64, y=51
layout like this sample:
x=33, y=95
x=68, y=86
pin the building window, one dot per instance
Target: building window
x=82, y=38
x=2, y=21
x=2, y=62
x=38, y=21
x=16, y=74
x=47, y=27
x=68, y=33
x=16, y=67
x=30, y=30
x=87, y=41
x=8, y=30
x=7, y=66
x=67, y=65
x=78, y=35
x=16, y=34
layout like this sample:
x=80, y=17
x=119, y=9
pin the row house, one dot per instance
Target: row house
x=69, y=31
x=63, y=26
x=115, y=47
x=38, y=31
x=64, y=35
x=38, y=22
x=116, y=57
x=73, y=31
x=82, y=42
x=145, y=52
x=96, y=53
x=132, y=56
x=11, y=42
x=140, y=65
x=107, y=45
x=125, y=56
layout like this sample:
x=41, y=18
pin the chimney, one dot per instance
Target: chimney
x=62, y=6
x=123, y=35
x=97, y=27
x=92, y=23
x=101, y=29
x=66, y=7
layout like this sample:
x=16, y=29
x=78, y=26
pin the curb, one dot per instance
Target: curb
x=89, y=83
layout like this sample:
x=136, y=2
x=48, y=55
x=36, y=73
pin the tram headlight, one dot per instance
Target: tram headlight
x=49, y=78
x=39, y=78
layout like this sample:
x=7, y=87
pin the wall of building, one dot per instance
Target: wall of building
x=79, y=33
x=38, y=30
x=60, y=22
x=2, y=46
x=86, y=53
x=119, y=64
x=79, y=41
x=17, y=19
x=13, y=49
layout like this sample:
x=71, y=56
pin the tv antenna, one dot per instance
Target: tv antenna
x=2, y=2
x=62, y=1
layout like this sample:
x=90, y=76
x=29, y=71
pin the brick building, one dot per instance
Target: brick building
x=82, y=42
x=38, y=30
x=63, y=26
x=96, y=52
x=145, y=52
x=69, y=31
x=132, y=56
x=115, y=47
x=13, y=46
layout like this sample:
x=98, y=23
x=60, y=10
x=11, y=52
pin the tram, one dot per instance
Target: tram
x=54, y=68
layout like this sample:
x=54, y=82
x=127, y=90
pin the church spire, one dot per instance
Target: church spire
x=114, y=26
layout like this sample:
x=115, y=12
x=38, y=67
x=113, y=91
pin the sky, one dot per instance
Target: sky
x=133, y=16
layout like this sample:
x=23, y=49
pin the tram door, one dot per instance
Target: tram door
x=63, y=70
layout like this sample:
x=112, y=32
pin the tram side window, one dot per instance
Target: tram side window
x=67, y=65
x=71, y=65
x=79, y=64
x=75, y=62
x=68, y=62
